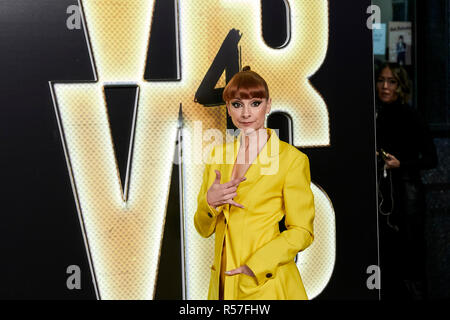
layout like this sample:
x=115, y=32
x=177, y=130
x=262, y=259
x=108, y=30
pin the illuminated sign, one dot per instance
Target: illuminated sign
x=123, y=224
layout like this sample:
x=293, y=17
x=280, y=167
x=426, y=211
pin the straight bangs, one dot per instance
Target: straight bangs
x=246, y=85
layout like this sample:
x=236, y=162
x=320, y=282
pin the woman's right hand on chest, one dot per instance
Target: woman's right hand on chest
x=219, y=194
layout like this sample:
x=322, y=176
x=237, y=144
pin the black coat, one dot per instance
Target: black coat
x=402, y=132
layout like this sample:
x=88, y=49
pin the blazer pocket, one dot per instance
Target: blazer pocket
x=248, y=288
x=247, y=281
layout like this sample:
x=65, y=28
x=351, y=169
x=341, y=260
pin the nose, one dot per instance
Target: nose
x=246, y=112
x=385, y=84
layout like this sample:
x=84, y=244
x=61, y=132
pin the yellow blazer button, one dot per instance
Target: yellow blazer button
x=209, y=214
x=268, y=275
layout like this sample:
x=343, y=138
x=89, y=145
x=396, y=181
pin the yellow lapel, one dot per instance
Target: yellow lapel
x=255, y=172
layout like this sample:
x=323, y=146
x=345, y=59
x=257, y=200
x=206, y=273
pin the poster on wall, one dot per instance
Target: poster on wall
x=400, y=42
x=379, y=39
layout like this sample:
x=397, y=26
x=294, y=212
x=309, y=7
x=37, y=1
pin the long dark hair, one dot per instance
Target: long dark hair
x=400, y=74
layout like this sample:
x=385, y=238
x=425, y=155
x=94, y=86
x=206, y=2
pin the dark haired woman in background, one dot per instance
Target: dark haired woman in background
x=404, y=147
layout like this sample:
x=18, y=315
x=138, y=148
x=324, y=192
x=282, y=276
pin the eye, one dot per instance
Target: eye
x=256, y=103
x=236, y=104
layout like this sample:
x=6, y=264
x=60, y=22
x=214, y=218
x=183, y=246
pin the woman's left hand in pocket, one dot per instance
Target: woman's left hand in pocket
x=242, y=269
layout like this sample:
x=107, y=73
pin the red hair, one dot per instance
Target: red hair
x=246, y=84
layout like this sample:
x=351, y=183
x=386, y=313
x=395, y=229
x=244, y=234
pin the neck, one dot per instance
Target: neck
x=258, y=137
x=397, y=101
x=253, y=133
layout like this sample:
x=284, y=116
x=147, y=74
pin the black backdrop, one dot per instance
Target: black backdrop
x=40, y=234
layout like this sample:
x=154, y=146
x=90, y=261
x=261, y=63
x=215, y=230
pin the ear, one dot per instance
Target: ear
x=268, y=105
x=228, y=108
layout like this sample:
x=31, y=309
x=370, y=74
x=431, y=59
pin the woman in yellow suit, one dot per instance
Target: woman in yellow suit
x=243, y=201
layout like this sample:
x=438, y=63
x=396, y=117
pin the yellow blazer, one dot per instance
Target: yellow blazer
x=277, y=185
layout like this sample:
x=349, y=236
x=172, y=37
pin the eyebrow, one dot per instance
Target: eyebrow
x=239, y=99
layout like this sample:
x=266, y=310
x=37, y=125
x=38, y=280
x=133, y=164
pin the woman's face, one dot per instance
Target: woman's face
x=248, y=114
x=387, y=86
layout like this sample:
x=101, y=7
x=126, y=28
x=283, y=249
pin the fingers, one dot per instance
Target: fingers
x=217, y=181
x=249, y=271
x=234, y=182
x=234, y=271
x=224, y=193
x=228, y=191
x=228, y=199
x=230, y=196
x=392, y=162
x=390, y=156
x=242, y=269
x=233, y=203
